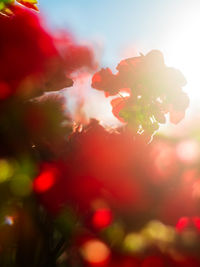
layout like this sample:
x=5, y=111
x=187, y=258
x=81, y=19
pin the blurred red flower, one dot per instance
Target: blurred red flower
x=99, y=166
x=154, y=91
x=25, y=49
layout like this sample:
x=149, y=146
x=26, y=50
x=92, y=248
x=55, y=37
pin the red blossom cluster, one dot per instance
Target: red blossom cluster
x=111, y=168
x=32, y=61
x=104, y=171
x=77, y=57
x=104, y=181
x=153, y=91
x=28, y=56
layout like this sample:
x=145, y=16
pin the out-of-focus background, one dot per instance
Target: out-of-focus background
x=73, y=193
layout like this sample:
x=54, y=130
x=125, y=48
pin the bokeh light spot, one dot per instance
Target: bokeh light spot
x=182, y=224
x=95, y=251
x=157, y=231
x=188, y=151
x=9, y=220
x=196, y=221
x=6, y=170
x=44, y=181
x=102, y=218
x=134, y=242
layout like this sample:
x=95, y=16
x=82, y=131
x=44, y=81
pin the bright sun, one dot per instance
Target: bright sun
x=182, y=50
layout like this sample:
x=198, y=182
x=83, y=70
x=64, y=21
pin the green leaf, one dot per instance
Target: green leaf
x=29, y=3
x=6, y=5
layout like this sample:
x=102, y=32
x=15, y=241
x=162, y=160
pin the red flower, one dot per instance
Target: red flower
x=154, y=92
x=76, y=57
x=98, y=167
x=106, y=81
x=118, y=104
x=30, y=62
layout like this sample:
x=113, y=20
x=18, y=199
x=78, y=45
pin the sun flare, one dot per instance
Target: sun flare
x=181, y=49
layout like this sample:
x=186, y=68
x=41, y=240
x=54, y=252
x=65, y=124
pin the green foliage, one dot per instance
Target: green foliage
x=7, y=6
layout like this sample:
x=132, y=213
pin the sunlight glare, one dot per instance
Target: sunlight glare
x=181, y=49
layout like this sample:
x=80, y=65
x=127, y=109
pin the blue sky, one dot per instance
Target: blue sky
x=123, y=28
x=117, y=24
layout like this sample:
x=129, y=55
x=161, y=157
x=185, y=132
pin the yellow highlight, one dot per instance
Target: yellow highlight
x=134, y=242
x=6, y=170
x=157, y=231
x=2, y=5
